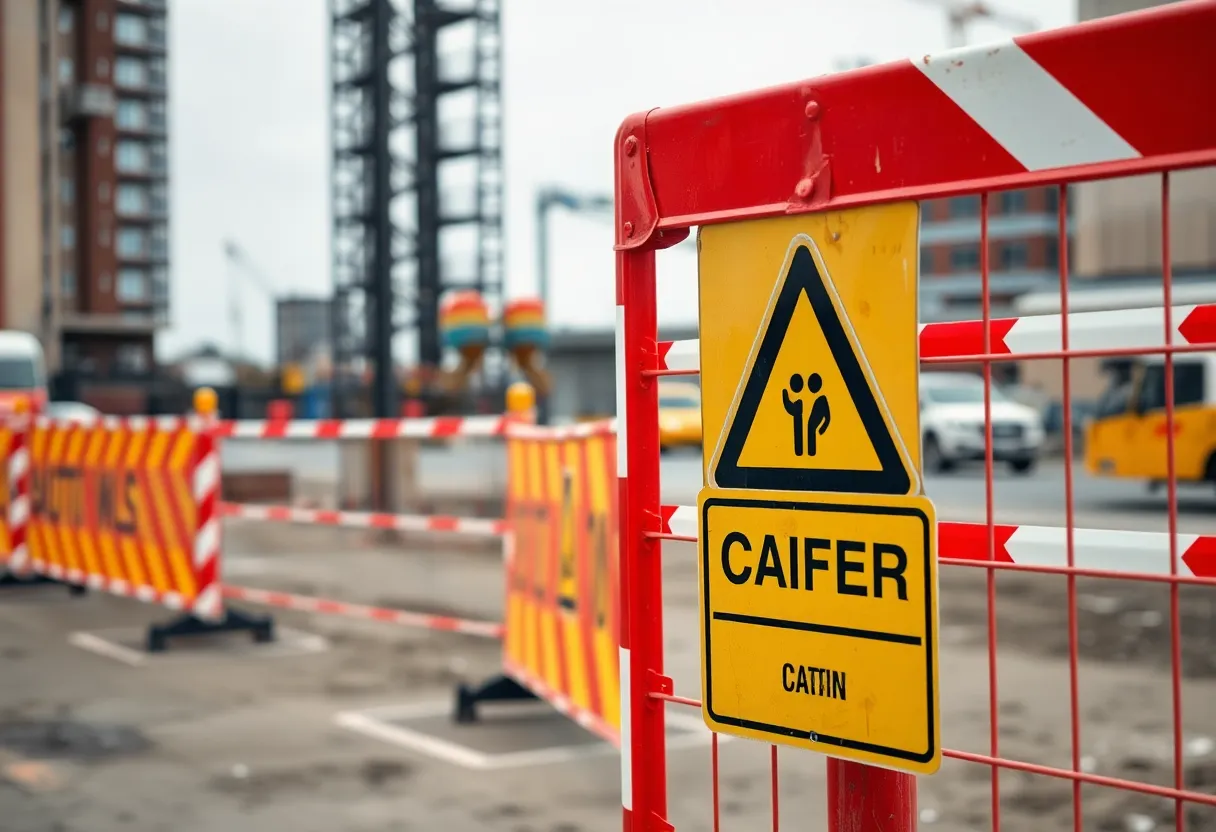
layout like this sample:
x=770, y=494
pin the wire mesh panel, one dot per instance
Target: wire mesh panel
x=1081, y=693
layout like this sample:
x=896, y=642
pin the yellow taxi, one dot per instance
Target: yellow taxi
x=679, y=414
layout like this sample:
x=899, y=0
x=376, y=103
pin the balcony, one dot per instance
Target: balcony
x=127, y=322
x=86, y=101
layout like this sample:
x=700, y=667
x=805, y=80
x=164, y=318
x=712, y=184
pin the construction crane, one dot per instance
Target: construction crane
x=554, y=197
x=960, y=13
x=241, y=267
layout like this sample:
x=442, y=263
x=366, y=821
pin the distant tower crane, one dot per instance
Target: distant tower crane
x=551, y=197
x=241, y=266
x=960, y=13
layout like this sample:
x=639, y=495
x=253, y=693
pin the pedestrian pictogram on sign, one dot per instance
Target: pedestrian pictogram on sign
x=808, y=414
x=819, y=623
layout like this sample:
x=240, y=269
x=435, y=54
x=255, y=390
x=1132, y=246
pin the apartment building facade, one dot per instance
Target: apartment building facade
x=1023, y=251
x=85, y=194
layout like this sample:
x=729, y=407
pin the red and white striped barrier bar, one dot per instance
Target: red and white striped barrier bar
x=322, y=606
x=1142, y=553
x=1121, y=329
x=473, y=526
x=438, y=427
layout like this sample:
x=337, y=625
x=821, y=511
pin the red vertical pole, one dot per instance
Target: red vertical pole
x=643, y=735
x=865, y=798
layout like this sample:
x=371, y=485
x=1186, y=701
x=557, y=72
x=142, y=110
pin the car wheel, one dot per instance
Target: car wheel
x=1022, y=466
x=934, y=459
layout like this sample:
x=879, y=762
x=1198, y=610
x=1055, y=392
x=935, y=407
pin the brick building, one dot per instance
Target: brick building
x=85, y=195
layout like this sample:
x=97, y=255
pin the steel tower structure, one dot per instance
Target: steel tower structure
x=416, y=125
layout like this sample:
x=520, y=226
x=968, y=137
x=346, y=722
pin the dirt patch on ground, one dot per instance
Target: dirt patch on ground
x=1117, y=620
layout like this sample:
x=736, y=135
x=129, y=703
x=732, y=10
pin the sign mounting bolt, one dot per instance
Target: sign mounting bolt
x=812, y=110
x=631, y=146
x=804, y=187
x=628, y=229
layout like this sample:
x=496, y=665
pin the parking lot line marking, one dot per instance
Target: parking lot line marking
x=406, y=738
x=102, y=647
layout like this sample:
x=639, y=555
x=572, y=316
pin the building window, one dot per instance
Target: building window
x=130, y=72
x=67, y=70
x=133, y=358
x=131, y=115
x=1051, y=199
x=157, y=161
x=158, y=200
x=132, y=200
x=965, y=206
x=67, y=138
x=965, y=258
x=67, y=283
x=132, y=286
x=65, y=19
x=67, y=190
x=132, y=157
x=926, y=261
x=1013, y=202
x=130, y=30
x=1015, y=255
x=156, y=115
x=131, y=243
x=67, y=237
x=160, y=242
x=1051, y=254
x=156, y=72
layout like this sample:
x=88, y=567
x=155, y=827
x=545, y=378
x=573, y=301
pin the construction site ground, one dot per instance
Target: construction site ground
x=219, y=737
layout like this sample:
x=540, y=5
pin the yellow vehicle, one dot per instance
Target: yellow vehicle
x=679, y=414
x=1127, y=436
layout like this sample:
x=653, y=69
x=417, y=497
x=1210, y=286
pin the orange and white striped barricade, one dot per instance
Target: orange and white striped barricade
x=561, y=583
x=126, y=506
x=807, y=199
x=15, y=565
x=422, y=428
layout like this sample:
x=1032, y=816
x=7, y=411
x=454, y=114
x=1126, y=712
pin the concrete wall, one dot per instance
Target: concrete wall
x=22, y=167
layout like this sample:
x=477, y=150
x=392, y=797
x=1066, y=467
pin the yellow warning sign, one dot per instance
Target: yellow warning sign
x=819, y=623
x=805, y=409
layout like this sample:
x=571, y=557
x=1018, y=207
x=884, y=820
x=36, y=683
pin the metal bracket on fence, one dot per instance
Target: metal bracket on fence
x=660, y=683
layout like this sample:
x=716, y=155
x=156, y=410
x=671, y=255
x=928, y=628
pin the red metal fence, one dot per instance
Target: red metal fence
x=1124, y=96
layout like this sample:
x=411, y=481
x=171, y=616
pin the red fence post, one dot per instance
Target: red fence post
x=865, y=798
x=643, y=732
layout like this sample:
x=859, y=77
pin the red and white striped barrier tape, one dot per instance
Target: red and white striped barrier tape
x=473, y=526
x=1109, y=550
x=581, y=430
x=1122, y=329
x=438, y=427
x=305, y=603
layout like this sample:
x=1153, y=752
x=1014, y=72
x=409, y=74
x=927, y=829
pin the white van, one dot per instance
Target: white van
x=22, y=371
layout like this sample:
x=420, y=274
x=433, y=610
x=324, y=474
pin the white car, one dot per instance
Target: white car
x=76, y=413
x=952, y=424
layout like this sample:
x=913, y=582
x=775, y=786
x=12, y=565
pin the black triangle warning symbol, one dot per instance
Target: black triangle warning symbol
x=808, y=414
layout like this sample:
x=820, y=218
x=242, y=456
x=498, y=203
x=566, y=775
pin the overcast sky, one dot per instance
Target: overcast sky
x=249, y=144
